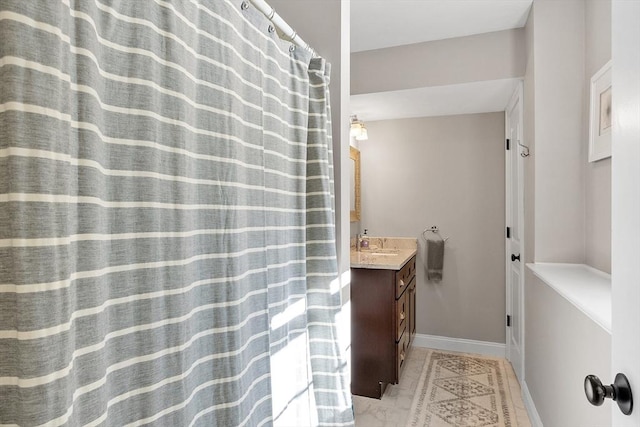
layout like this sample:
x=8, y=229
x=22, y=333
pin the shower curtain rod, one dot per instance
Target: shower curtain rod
x=281, y=25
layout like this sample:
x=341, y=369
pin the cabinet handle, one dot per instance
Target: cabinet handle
x=401, y=283
x=402, y=316
x=402, y=357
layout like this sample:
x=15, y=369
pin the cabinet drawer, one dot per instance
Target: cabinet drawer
x=404, y=276
x=401, y=353
x=402, y=314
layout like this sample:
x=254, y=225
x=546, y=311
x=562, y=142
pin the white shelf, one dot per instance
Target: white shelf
x=585, y=287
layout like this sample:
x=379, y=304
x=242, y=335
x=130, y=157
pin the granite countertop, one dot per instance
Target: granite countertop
x=388, y=253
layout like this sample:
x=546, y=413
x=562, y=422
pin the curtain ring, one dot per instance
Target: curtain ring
x=244, y=5
x=271, y=29
x=271, y=14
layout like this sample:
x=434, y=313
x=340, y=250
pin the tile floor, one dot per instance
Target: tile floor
x=393, y=409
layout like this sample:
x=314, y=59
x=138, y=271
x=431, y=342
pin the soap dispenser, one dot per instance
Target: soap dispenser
x=365, y=240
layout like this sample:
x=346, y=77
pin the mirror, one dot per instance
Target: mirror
x=354, y=154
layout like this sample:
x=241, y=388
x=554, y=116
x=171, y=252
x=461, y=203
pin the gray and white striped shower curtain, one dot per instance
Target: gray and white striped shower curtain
x=167, y=248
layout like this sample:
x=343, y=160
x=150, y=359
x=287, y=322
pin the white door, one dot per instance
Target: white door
x=515, y=233
x=625, y=201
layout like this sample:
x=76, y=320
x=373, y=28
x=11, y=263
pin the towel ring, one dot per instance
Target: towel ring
x=433, y=229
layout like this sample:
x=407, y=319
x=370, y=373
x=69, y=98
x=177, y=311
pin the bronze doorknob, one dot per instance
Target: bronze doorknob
x=619, y=391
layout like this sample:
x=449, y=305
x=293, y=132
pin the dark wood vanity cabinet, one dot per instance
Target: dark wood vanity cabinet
x=382, y=326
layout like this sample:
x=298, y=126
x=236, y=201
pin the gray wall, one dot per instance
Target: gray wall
x=559, y=140
x=567, y=199
x=529, y=133
x=490, y=56
x=563, y=346
x=567, y=43
x=449, y=172
x=597, y=174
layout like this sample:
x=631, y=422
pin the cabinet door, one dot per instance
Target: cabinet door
x=401, y=354
x=373, y=331
x=402, y=315
x=412, y=311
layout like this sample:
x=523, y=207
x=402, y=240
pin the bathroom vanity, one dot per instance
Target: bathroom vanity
x=383, y=300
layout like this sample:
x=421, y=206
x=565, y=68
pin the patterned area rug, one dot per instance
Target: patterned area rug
x=462, y=391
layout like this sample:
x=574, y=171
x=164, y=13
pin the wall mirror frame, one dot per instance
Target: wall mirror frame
x=354, y=155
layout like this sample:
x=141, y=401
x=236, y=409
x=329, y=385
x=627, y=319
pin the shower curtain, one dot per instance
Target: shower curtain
x=167, y=247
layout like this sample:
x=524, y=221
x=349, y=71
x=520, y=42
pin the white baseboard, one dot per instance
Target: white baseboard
x=534, y=417
x=461, y=345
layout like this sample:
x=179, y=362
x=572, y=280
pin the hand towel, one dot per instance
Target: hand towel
x=435, y=259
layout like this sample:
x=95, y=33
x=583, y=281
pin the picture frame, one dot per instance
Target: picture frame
x=600, y=115
x=354, y=155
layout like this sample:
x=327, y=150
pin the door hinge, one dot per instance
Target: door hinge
x=508, y=144
x=509, y=320
x=508, y=232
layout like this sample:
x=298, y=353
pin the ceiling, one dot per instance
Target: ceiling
x=377, y=24
x=467, y=98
